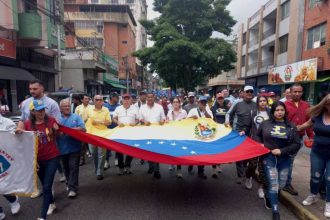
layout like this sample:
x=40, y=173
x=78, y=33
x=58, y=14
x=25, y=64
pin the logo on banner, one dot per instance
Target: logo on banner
x=204, y=131
x=5, y=163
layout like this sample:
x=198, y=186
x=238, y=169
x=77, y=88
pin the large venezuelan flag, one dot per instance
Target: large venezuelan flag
x=187, y=142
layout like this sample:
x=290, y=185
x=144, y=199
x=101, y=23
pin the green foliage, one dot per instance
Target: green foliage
x=184, y=53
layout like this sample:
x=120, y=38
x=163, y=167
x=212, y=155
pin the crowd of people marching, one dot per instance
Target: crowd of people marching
x=282, y=125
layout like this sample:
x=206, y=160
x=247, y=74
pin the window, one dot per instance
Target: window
x=244, y=39
x=90, y=42
x=313, y=3
x=243, y=61
x=285, y=10
x=114, y=1
x=130, y=1
x=316, y=36
x=283, y=44
x=30, y=5
x=94, y=1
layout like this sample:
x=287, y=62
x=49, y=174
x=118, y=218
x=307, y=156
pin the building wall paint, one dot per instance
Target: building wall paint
x=313, y=17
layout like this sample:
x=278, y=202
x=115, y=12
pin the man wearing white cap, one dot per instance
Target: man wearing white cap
x=192, y=102
x=243, y=111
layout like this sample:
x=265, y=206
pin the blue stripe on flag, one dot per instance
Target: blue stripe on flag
x=180, y=148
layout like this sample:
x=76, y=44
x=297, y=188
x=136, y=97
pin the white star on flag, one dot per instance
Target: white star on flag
x=193, y=152
x=184, y=148
x=161, y=142
x=137, y=145
x=173, y=144
x=149, y=142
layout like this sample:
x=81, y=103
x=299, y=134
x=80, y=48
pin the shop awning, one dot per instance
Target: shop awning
x=13, y=73
x=114, y=84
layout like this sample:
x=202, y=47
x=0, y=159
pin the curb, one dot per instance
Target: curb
x=294, y=206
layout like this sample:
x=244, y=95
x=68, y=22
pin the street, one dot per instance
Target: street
x=139, y=196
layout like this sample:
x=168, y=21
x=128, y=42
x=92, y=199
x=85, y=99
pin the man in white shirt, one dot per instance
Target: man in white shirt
x=125, y=115
x=200, y=112
x=152, y=113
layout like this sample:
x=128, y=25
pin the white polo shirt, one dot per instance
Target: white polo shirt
x=194, y=112
x=126, y=116
x=155, y=114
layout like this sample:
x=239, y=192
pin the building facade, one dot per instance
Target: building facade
x=272, y=36
x=316, y=44
x=108, y=28
x=28, y=47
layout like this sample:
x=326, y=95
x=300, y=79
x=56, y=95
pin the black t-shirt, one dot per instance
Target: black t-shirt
x=322, y=136
x=219, y=112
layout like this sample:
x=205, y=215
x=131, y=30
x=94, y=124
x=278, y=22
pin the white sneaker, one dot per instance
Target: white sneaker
x=62, y=178
x=40, y=219
x=261, y=193
x=36, y=194
x=179, y=175
x=327, y=210
x=15, y=207
x=248, y=183
x=51, y=208
x=311, y=199
x=72, y=194
x=171, y=168
x=219, y=170
x=2, y=215
x=106, y=165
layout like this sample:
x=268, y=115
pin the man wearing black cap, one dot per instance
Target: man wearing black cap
x=111, y=105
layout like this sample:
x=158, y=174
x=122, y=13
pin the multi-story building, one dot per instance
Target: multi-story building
x=106, y=28
x=272, y=36
x=28, y=45
x=139, y=11
x=316, y=43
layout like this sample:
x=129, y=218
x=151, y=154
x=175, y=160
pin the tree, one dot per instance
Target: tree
x=184, y=53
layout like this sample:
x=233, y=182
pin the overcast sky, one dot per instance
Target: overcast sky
x=239, y=9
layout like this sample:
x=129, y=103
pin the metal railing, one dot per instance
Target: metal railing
x=269, y=3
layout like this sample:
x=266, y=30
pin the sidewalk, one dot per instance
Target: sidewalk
x=301, y=178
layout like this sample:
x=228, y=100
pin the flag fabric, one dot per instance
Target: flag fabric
x=17, y=163
x=186, y=142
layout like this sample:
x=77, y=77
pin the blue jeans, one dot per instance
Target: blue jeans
x=46, y=173
x=319, y=164
x=98, y=155
x=276, y=171
x=10, y=199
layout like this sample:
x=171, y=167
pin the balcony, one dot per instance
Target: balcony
x=30, y=25
x=268, y=33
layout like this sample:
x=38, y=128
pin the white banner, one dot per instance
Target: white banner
x=17, y=163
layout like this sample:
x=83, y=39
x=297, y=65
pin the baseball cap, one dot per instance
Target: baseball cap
x=271, y=94
x=126, y=95
x=114, y=94
x=143, y=92
x=246, y=88
x=191, y=94
x=37, y=105
x=202, y=98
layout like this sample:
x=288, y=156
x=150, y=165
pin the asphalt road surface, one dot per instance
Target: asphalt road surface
x=140, y=197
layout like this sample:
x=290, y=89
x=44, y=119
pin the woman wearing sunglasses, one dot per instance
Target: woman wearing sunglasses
x=176, y=114
x=45, y=128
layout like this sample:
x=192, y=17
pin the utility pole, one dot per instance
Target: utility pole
x=125, y=58
x=58, y=26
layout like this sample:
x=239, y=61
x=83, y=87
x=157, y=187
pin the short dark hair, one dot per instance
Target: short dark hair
x=36, y=81
x=296, y=85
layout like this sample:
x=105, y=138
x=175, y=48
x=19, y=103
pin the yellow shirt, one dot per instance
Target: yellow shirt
x=96, y=115
x=82, y=111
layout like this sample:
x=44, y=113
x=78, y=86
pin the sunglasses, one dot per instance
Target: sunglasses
x=249, y=91
x=98, y=100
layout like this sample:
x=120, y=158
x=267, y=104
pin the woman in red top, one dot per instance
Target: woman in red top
x=45, y=128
